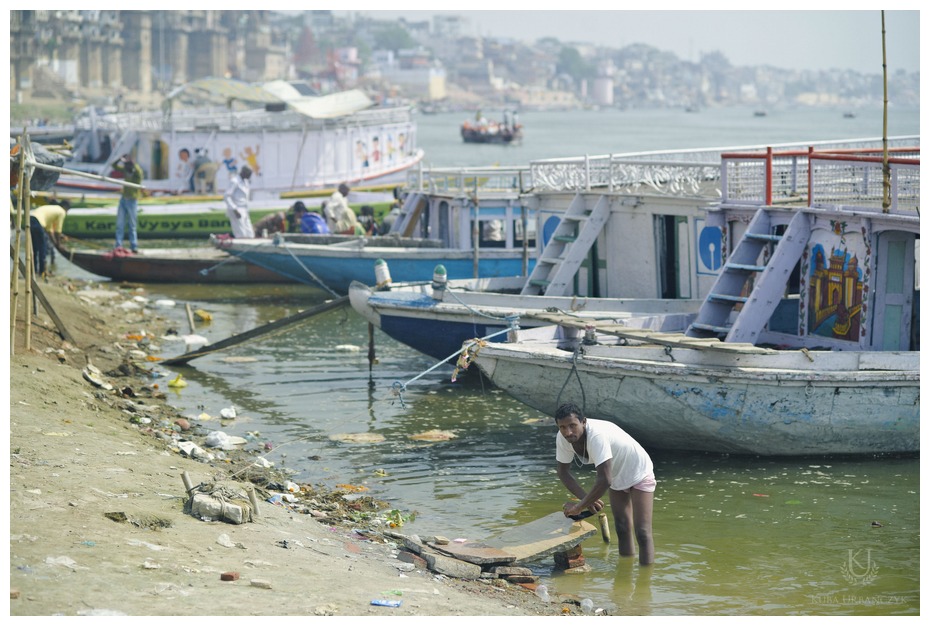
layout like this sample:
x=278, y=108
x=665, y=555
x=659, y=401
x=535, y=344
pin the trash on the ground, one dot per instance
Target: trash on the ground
x=347, y=347
x=63, y=561
x=226, y=501
x=203, y=316
x=191, y=449
x=94, y=376
x=219, y=439
x=228, y=413
x=391, y=603
x=165, y=304
x=543, y=592
x=262, y=462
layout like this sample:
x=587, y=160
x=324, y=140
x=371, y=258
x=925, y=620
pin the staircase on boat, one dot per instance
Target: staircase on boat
x=567, y=249
x=747, y=264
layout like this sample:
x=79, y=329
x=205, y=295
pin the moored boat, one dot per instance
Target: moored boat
x=491, y=131
x=291, y=141
x=471, y=222
x=203, y=264
x=806, y=343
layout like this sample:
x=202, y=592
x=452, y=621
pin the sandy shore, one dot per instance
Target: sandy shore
x=97, y=517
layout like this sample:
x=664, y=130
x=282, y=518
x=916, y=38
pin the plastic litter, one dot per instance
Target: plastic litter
x=391, y=603
x=543, y=592
x=587, y=605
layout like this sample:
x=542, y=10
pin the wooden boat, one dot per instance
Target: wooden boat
x=292, y=142
x=767, y=366
x=169, y=265
x=491, y=131
x=469, y=232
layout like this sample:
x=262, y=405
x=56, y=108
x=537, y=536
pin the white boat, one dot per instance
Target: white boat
x=650, y=215
x=292, y=142
x=806, y=344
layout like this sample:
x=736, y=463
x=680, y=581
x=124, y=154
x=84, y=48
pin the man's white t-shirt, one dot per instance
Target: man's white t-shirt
x=629, y=462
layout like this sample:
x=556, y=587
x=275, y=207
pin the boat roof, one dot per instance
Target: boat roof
x=225, y=90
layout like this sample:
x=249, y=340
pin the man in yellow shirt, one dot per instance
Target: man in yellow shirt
x=46, y=222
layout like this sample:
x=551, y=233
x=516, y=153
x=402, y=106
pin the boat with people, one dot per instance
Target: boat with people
x=806, y=344
x=483, y=130
x=174, y=218
x=207, y=129
x=201, y=264
x=471, y=221
x=593, y=229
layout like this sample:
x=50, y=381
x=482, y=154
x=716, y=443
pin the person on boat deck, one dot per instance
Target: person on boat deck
x=340, y=217
x=45, y=225
x=126, y=213
x=237, y=204
x=312, y=223
x=366, y=220
x=624, y=469
x=271, y=224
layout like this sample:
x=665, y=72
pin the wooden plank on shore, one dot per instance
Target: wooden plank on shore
x=59, y=323
x=257, y=332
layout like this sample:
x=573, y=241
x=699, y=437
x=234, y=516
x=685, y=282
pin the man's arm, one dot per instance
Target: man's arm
x=591, y=499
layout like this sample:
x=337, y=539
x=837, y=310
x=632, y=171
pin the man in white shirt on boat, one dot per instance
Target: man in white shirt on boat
x=340, y=217
x=624, y=469
x=237, y=204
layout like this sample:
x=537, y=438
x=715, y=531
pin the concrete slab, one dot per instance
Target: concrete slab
x=538, y=539
x=474, y=552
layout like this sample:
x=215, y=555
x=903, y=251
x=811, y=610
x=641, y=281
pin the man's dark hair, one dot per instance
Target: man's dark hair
x=567, y=410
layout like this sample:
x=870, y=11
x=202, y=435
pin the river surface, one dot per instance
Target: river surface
x=734, y=535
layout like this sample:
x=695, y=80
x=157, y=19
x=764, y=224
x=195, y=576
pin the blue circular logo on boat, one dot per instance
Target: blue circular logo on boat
x=709, y=244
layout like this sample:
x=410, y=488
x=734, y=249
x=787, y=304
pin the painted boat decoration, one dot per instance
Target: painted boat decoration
x=806, y=344
x=291, y=141
x=203, y=264
x=470, y=233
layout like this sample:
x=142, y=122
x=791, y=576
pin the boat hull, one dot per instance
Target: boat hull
x=335, y=267
x=740, y=409
x=181, y=265
x=438, y=326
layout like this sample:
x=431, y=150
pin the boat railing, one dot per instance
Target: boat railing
x=678, y=172
x=850, y=178
x=468, y=180
x=222, y=118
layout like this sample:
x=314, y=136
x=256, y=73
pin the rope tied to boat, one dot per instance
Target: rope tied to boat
x=279, y=241
x=398, y=388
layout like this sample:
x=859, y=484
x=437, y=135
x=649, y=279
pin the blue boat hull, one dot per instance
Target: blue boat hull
x=338, y=273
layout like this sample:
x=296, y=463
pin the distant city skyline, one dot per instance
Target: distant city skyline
x=789, y=39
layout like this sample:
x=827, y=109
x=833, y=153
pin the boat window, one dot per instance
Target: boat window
x=518, y=232
x=493, y=234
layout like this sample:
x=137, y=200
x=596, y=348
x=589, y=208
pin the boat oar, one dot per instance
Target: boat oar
x=257, y=332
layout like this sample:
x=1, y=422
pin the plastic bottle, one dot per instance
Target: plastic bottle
x=382, y=274
x=587, y=606
x=543, y=592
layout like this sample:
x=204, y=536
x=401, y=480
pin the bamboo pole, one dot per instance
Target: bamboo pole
x=886, y=169
x=18, y=225
x=30, y=253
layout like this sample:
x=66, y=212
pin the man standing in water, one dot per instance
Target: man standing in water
x=623, y=468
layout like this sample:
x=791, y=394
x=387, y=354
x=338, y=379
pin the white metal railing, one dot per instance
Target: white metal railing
x=858, y=182
x=680, y=172
x=468, y=180
x=223, y=118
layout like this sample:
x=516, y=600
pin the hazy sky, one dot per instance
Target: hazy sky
x=790, y=39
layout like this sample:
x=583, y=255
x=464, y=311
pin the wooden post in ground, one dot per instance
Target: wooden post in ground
x=18, y=225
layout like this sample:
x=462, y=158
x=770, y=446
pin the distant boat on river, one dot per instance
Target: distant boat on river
x=490, y=131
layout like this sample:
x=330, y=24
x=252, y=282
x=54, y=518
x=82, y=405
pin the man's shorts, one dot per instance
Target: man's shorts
x=648, y=484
